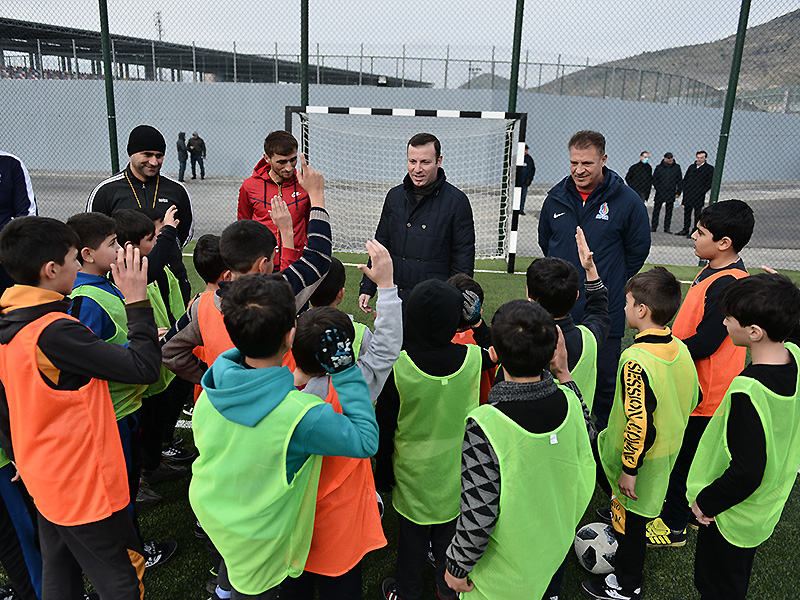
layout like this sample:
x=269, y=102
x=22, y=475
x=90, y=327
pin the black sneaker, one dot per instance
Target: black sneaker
x=211, y=584
x=430, y=558
x=158, y=553
x=164, y=472
x=145, y=497
x=608, y=588
x=604, y=513
x=389, y=589
x=199, y=532
x=176, y=453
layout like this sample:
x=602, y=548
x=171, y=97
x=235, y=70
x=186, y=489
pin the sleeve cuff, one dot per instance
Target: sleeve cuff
x=594, y=286
x=630, y=471
x=455, y=570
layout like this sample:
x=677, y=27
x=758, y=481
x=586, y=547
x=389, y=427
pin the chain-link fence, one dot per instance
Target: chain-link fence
x=650, y=79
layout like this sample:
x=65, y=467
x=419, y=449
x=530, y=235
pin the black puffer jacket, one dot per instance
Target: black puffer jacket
x=430, y=239
x=668, y=180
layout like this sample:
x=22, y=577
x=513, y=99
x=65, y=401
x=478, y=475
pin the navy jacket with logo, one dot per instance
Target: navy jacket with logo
x=615, y=223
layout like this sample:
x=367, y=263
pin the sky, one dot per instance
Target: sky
x=599, y=30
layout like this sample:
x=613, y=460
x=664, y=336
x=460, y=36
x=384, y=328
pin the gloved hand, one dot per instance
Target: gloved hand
x=334, y=351
x=471, y=309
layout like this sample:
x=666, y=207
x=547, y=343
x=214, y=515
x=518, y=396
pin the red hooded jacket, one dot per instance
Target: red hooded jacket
x=255, y=202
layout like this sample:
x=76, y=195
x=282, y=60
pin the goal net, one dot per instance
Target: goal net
x=362, y=154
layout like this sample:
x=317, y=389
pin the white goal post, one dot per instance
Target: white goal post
x=362, y=154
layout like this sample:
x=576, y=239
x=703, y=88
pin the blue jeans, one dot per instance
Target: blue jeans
x=181, y=168
x=196, y=158
x=522, y=199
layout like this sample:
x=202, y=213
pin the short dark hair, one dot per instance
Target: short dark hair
x=659, y=290
x=280, y=142
x=643, y=152
x=92, y=229
x=331, y=284
x=423, y=139
x=732, y=218
x=770, y=301
x=207, y=258
x=524, y=336
x=132, y=226
x=310, y=326
x=258, y=311
x=244, y=242
x=587, y=138
x=29, y=243
x=553, y=283
x=463, y=282
x=701, y=152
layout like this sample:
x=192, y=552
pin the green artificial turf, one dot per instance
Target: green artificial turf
x=668, y=572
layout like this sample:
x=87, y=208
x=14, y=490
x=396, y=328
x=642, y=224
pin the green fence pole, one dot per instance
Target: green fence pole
x=730, y=99
x=303, y=52
x=514, y=84
x=109, y=79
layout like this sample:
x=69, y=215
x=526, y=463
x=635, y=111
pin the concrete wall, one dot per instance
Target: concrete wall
x=61, y=125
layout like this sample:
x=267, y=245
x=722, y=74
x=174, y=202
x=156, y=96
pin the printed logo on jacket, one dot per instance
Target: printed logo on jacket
x=602, y=214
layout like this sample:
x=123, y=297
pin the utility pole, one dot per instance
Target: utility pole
x=159, y=28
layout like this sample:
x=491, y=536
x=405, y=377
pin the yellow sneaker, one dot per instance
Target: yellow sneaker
x=661, y=536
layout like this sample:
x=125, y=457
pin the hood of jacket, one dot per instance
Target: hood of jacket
x=432, y=313
x=23, y=304
x=244, y=395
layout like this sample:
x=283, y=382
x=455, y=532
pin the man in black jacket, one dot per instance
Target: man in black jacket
x=141, y=186
x=696, y=184
x=640, y=176
x=426, y=224
x=668, y=183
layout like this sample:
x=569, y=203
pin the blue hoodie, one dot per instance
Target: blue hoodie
x=617, y=229
x=245, y=396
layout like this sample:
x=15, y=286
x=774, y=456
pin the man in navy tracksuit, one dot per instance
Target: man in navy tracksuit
x=615, y=222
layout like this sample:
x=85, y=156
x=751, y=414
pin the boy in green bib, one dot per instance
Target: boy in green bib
x=529, y=442
x=656, y=391
x=554, y=283
x=254, y=485
x=438, y=383
x=100, y=305
x=163, y=400
x=747, y=459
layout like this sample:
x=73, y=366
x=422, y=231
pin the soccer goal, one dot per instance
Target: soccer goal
x=362, y=153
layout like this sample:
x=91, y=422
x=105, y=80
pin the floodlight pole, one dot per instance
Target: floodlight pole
x=730, y=99
x=105, y=39
x=303, y=52
x=514, y=84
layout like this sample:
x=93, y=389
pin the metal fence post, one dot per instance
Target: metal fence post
x=446, y=65
x=361, y=65
x=75, y=58
x=153, y=52
x=109, y=85
x=317, y=63
x=525, y=85
x=194, y=62
x=730, y=99
x=234, y=62
x=303, y=52
x=514, y=83
x=492, y=67
x=276, y=63
x=403, y=79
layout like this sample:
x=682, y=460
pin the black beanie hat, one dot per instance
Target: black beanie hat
x=144, y=138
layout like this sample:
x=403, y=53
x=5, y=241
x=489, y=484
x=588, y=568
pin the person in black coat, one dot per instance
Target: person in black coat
x=426, y=224
x=696, y=184
x=183, y=155
x=668, y=183
x=528, y=171
x=640, y=176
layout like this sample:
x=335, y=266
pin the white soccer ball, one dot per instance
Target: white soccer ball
x=596, y=547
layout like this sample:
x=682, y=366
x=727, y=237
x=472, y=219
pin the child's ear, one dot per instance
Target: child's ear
x=493, y=355
x=756, y=333
x=48, y=271
x=86, y=255
x=725, y=243
x=340, y=295
x=226, y=275
x=288, y=339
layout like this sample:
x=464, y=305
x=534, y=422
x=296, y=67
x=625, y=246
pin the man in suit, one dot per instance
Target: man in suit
x=696, y=183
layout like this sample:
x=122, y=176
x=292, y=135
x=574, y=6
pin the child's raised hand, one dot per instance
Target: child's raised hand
x=170, y=217
x=334, y=351
x=130, y=274
x=312, y=181
x=382, y=269
x=282, y=218
x=559, y=366
x=585, y=254
x=471, y=309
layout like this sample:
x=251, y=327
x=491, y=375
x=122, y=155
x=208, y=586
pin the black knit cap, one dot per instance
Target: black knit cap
x=145, y=138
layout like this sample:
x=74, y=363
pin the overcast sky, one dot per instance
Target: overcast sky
x=577, y=29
